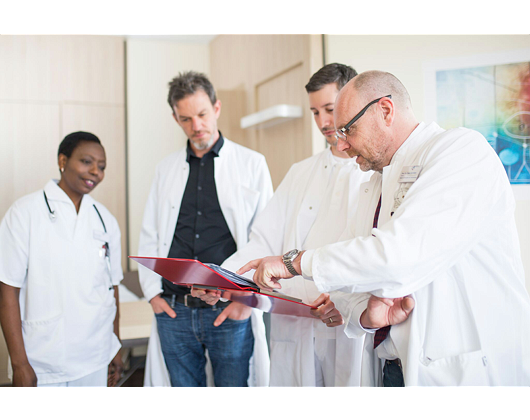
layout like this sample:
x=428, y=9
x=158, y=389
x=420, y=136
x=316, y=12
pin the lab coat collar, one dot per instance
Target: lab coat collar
x=410, y=140
x=56, y=193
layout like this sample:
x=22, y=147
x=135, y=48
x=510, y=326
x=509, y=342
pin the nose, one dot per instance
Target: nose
x=342, y=145
x=196, y=124
x=323, y=120
x=94, y=170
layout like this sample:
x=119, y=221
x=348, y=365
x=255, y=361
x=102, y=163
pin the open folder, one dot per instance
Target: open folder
x=211, y=276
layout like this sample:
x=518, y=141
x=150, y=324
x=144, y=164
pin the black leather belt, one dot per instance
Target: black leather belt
x=193, y=302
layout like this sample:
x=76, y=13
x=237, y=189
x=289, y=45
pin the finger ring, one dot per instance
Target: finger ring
x=330, y=320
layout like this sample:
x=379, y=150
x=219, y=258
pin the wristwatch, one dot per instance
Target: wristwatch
x=288, y=259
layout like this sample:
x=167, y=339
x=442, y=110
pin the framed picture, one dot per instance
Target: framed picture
x=489, y=93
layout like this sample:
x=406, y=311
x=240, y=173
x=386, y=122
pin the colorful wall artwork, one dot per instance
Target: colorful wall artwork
x=494, y=100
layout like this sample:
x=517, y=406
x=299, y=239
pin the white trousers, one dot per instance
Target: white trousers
x=98, y=378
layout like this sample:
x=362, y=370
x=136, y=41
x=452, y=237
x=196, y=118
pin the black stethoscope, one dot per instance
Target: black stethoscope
x=53, y=218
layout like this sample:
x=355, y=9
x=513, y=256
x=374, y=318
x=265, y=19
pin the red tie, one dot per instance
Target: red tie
x=381, y=333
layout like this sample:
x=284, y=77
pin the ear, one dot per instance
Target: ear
x=61, y=161
x=217, y=108
x=389, y=111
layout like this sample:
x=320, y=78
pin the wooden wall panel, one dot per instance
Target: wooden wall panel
x=29, y=138
x=283, y=144
x=267, y=70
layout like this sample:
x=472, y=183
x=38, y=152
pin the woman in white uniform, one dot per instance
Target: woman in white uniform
x=59, y=273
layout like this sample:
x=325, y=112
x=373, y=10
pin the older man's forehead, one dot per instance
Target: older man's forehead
x=346, y=107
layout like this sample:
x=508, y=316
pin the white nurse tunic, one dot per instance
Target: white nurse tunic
x=66, y=300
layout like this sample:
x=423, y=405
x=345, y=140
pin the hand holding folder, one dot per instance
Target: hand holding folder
x=194, y=273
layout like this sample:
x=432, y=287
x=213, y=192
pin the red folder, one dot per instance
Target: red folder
x=194, y=273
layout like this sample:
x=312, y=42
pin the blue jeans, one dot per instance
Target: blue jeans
x=185, y=338
x=393, y=373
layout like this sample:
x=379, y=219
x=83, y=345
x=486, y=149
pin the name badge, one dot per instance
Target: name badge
x=410, y=173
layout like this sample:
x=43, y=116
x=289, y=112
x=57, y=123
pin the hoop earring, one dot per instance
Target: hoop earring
x=62, y=170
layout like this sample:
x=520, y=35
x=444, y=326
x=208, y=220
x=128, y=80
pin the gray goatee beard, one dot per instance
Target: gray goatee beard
x=203, y=146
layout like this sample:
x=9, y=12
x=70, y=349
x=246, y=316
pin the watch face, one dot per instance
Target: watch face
x=291, y=253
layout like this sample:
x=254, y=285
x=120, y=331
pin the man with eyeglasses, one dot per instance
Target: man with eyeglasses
x=435, y=223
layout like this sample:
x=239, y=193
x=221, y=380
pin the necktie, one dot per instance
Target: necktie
x=381, y=333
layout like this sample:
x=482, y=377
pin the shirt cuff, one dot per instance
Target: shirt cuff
x=307, y=264
x=354, y=328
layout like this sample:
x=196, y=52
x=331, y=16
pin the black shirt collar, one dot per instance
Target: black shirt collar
x=214, y=150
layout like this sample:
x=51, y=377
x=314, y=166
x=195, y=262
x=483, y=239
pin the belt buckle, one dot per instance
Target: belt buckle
x=186, y=300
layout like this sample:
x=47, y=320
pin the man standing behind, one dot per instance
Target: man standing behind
x=309, y=209
x=201, y=205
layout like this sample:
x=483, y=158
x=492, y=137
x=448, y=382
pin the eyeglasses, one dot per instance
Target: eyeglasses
x=341, y=133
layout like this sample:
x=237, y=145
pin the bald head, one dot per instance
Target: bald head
x=384, y=125
x=374, y=84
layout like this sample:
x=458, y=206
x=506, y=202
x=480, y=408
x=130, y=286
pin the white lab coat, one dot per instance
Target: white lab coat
x=282, y=226
x=243, y=187
x=67, y=309
x=452, y=244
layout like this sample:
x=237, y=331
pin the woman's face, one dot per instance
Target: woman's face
x=84, y=169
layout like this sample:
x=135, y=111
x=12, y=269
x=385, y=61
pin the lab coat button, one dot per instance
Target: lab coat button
x=197, y=236
x=366, y=190
x=199, y=188
x=199, y=213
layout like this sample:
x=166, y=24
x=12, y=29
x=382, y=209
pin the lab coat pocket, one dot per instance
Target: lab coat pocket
x=44, y=342
x=102, y=277
x=466, y=369
x=250, y=200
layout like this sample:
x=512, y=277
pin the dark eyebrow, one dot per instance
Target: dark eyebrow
x=323, y=106
x=200, y=112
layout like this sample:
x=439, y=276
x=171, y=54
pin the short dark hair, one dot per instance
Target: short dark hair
x=331, y=73
x=188, y=83
x=72, y=140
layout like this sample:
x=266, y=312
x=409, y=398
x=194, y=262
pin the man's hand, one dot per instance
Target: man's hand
x=211, y=297
x=236, y=311
x=382, y=312
x=269, y=271
x=326, y=311
x=160, y=305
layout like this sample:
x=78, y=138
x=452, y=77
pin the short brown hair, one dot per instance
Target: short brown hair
x=331, y=73
x=188, y=83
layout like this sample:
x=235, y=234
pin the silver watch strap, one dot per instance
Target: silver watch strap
x=289, y=264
